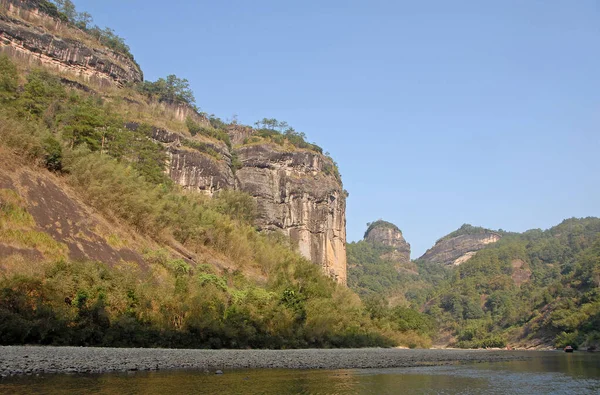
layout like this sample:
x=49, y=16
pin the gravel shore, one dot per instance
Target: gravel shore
x=20, y=360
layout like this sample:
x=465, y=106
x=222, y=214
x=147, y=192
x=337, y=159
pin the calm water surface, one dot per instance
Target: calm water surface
x=541, y=373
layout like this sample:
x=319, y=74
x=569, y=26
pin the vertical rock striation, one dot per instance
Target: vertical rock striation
x=296, y=196
x=388, y=234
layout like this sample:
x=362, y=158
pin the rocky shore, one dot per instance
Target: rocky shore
x=32, y=360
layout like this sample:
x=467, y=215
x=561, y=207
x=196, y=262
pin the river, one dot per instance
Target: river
x=541, y=372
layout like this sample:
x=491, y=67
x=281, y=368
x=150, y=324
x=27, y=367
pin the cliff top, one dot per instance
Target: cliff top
x=380, y=224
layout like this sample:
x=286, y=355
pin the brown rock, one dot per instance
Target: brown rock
x=296, y=196
x=388, y=234
x=31, y=42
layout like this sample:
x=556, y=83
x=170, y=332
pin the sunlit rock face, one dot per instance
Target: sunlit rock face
x=389, y=235
x=296, y=191
x=296, y=195
x=459, y=249
x=27, y=33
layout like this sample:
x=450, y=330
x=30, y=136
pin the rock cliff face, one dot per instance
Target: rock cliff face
x=297, y=197
x=389, y=235
x=295, y=190
x=460, y=248
x=28, y=33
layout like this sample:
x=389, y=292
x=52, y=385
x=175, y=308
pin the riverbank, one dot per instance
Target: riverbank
x=32, y=360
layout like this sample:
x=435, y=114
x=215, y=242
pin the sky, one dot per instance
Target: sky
x=438, y=113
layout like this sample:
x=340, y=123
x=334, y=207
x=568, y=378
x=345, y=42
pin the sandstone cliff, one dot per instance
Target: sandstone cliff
x=295, y=191
x=459, y=246
x=29, y=33
x=296, y=196
x=388, y=234
x=199, y=164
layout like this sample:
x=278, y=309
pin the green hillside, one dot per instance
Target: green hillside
x=529, y=289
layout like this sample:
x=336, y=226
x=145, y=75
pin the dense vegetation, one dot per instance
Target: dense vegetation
x=486, y=303
x=539, y=287
x=81, y=138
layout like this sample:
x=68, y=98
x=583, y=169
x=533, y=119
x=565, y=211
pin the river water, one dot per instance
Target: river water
x=540, y=373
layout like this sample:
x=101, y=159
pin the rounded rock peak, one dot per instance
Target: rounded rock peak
x=385, y=233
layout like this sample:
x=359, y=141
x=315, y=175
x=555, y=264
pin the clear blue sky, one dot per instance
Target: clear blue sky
x=438, y=113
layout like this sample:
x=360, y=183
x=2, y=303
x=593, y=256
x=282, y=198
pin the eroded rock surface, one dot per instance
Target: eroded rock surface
x=32, y=43
x=295, y=195
x=390, y=235
x=459, y=249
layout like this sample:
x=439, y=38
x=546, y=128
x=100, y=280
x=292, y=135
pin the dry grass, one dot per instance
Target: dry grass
x=40, y=241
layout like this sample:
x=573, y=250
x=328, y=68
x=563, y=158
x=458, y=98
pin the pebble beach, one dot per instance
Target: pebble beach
x=34, y=360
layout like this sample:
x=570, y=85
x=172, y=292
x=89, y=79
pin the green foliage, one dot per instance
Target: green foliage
x=41, y=94
x=172, y=89
x=176, y=305
x=465, y=229
x=236, y=204
x=564, y=263
x=9, y=79
x=280, y=132
x=368, y=273
x=202, y=147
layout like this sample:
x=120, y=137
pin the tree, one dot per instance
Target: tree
x=9, y=79
x=67, y=8
x=173, y=90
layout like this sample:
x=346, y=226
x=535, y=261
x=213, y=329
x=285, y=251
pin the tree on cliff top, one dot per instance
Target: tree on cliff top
x=172, y=90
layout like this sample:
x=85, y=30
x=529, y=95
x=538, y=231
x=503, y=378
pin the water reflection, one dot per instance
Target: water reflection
x=545, y=372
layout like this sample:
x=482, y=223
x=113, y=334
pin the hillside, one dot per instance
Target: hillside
x=534, y=289
x=128, y=218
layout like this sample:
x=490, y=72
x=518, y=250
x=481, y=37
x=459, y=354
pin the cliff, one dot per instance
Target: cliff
x=459, y=246
x=388, y=234
x=29, y=33
x=296, y=196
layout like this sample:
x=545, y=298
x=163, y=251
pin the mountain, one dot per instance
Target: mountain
x=298, y=190
x=460, y=245
x=129, y=218
x=537, y=289
x=380, y=263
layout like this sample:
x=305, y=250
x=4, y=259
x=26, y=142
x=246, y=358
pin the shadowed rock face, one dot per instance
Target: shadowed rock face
x=459, y=249
x=31, y=43
x=204, y=167
x=390, y=236
x=295, y=196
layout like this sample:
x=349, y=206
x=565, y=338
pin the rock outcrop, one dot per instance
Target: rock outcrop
x=199, y=164
x=388, y=234
x=460, y=246
x=296, y=196
x=29, y=33
x=295, y=189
